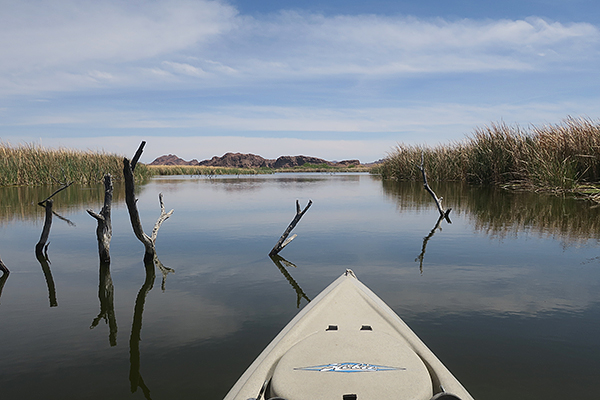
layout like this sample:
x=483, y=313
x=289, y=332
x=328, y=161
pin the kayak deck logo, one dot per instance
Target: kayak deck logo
x=349, y=367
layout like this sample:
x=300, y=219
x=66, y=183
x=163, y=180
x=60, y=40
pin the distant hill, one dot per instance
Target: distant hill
x=239, y=160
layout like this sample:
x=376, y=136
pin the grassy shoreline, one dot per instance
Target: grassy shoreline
x=212, y=171
x=31, y=165
x=561, y=158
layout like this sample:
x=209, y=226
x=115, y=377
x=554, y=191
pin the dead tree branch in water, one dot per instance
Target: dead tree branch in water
x=63, y=187
x=134, y=215
x=283, y=240
x=47, y=204
x=104, y=230
x=438, y=201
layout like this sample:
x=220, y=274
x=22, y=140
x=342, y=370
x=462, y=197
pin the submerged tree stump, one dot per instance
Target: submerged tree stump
x=104, y=230
x=39, y=247
x=149, y=242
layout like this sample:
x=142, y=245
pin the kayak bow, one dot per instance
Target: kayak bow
x=347, y=344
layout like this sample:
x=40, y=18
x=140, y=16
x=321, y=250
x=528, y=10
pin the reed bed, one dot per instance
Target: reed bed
x=200, y=170
x=212, y=171
x=30, y=164
x=558, y=157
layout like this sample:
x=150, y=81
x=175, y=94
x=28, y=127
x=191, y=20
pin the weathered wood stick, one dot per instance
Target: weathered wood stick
x=39, y=247
x=162, y=218
x=282, y=242
x=438, y=201
x=104, y=229
x=66, y=185
x=134, y=215
x=137, y=155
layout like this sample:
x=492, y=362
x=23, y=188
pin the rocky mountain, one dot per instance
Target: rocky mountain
x=240, y=160
x=172, y=159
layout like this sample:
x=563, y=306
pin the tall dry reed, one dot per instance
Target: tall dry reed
x=31, y=164
x=559, y=156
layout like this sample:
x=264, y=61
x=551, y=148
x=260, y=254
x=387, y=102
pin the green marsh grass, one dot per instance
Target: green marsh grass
x=203, y=170
x=557, y=157
x=212, y=171
x=32, y=165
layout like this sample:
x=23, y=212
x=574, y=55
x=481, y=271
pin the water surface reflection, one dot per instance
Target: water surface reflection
x=513, y=281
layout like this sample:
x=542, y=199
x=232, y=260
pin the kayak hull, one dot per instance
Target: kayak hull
x=347, y=344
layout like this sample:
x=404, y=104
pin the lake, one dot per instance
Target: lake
x=507, y=295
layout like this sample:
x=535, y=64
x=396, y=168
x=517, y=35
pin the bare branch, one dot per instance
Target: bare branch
x=66, y=185
x=438, y=201
x=162, y=218
x=104, y=229
x=47, y=204
x=137, y=155
x=282, y=242
x=134, y=214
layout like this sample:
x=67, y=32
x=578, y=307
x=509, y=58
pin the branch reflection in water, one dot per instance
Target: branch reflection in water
x=279, y=261
x=135, y=377
x=426, y=240
x=106, y=295
x=42, y=256
x=499, y=212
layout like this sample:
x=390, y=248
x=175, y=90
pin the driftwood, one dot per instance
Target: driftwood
x=438, y=201
x=279, y=262
x=426, y=240
x=106, y=296
x=283, y=240
x=104, y=230
x=135, y=377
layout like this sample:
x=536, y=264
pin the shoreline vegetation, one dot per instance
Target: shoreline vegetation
x=562, y=158
x=32, y=165
x=213, y=171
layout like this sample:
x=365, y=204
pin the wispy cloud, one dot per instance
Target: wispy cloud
x=71, y=45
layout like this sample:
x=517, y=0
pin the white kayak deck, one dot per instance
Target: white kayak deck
x=347, y=344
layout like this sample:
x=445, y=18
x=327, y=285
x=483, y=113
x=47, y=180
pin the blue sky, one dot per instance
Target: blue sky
x=337, y=79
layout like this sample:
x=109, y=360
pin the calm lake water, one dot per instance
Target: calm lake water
x=507, y=295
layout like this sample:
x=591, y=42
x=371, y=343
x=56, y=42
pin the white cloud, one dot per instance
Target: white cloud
x=53, y=46
x=185, y=69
